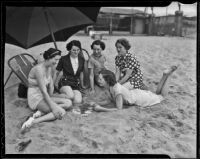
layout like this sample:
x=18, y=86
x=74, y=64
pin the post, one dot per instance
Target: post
x=151, y=24
x=47, y=19
x=178, y=23
x=132, y=25
x=111, y=21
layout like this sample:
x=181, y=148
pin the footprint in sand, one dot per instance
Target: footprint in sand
x=75, y=148
x=54, y=140
x=179, y=124
x=159, y=144
x=57, y=141
x=12, y=140
x=183, y=148
x=161, y=125
x=156, y=146
x=156, y=83
x=55, y=130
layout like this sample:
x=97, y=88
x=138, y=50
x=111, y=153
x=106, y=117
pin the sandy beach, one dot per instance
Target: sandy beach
x=166, y=128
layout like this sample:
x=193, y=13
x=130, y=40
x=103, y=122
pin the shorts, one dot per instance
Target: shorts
x=34, y=97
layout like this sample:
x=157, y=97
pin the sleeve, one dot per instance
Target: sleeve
x=117, y=90
x=117, y=61
x=60, y=65
x=90, y=63
x=132, y=62
x=104, y=59
x=83, y=64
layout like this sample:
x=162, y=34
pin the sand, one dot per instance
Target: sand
x=166, y=128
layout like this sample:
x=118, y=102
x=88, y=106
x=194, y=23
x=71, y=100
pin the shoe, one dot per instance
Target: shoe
x=22, y=145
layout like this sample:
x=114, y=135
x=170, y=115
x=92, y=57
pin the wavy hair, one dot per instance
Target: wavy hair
x=109, y=77
x=51, y=53
x=73, y=43
x=98, y=42
x=124, y=42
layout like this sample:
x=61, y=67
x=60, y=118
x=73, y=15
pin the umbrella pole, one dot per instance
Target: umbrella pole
x=52, y=35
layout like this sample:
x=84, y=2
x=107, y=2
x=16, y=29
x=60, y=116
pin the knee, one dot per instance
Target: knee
x=63, y=113
x=68, y=103
x=70, y=95
x=77, y=99
x=68, y=92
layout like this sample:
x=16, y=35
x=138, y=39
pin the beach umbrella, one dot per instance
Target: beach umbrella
x=30, y=26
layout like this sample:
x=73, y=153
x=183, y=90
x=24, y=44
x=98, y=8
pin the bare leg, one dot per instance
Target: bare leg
x=31, y=120
x=162, y=83
x=58, y=95
x=67, y=90
x=77, y=97
x=44, y=109
x=46, y=117
x=99, y=108
x=62, y=102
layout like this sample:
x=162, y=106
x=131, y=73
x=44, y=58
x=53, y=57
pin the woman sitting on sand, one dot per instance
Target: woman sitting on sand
x=72, y=66
x=40, y=91
x=96, y=62
x=128, y=71
x=120, y=95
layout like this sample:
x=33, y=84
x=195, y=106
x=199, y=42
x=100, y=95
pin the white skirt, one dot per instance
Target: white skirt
x=34, y=97
x=145, y=98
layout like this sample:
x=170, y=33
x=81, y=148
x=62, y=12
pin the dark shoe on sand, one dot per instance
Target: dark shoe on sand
x=22, y=145
x=171, y=70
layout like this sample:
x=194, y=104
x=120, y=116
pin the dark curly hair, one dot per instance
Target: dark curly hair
x=73, y=43
x=98, y=42
x=123, y=42
x=109, y=77
x=51, y=53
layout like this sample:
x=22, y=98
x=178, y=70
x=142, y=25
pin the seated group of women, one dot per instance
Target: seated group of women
x=124, y=87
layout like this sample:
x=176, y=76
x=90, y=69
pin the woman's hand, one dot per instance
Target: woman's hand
x=92, y=91
x=83, y=87
x=59, y=112
x=128, y=73
x=126, y=69
x=92, y=103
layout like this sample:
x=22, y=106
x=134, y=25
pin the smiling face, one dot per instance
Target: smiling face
x=121, y=49
x=74, y=51
x=97, y=50
x=54, y=61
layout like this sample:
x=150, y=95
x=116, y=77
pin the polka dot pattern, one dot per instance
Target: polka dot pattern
x=130, y=61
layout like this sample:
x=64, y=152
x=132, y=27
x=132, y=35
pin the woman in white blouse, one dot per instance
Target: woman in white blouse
x=72, y=66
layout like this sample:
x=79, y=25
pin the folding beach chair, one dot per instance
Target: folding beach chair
x=21, y=65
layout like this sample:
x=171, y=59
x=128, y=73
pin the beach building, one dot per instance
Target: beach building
x=132, y=21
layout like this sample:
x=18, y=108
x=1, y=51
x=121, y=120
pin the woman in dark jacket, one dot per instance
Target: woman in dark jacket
x=72, y=66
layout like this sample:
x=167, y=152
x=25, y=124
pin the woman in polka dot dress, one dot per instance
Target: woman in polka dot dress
x=128, y=71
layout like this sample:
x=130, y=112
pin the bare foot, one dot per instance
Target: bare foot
x=27, y=124
x=170, y=70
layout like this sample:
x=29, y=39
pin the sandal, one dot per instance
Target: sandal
x=22, y=145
